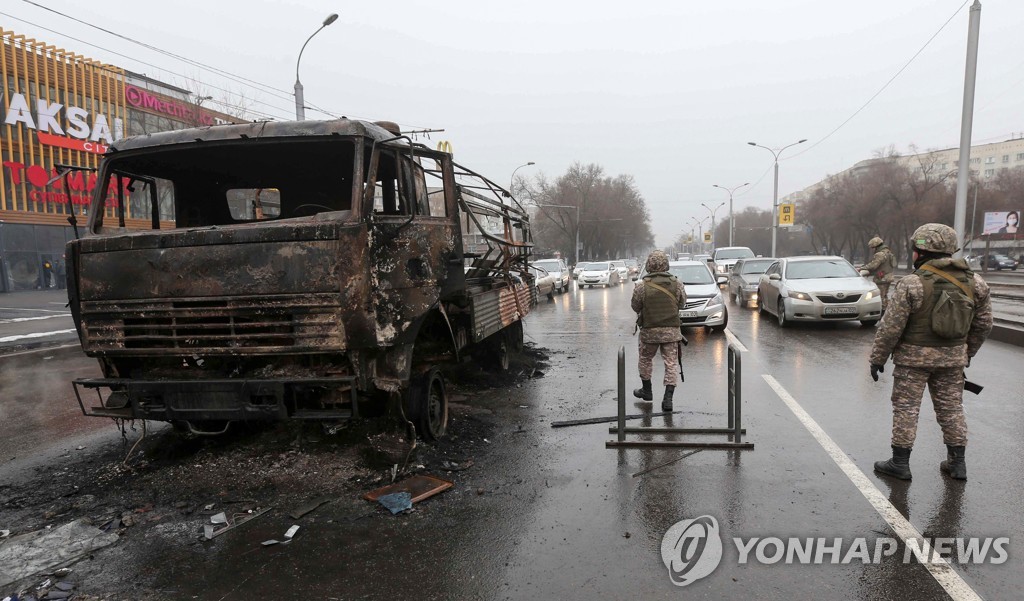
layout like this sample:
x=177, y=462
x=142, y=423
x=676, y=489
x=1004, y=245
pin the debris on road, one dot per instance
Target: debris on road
x=34, y=552
x=288, y=536
x=681, y=457
x=298, y=512
x=210, y=531
x=605, y=420
x=417, y=488
x=396, y=502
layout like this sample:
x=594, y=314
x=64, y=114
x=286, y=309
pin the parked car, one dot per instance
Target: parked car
x=999, y=262
x=722, y=260
x=557, y=268
x=623, y=270
x=704, y=303
x=545, y=282
x=599, y=274
x=817, y=289
x=744, y=278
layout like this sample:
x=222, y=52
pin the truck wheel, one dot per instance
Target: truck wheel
x=516, y=336
x=428, y=404
x=496, y=351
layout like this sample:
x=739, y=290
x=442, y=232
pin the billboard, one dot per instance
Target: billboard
x=1002, y=222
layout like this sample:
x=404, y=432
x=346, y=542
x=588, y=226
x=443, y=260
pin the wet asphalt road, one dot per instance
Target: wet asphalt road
x=562, y=516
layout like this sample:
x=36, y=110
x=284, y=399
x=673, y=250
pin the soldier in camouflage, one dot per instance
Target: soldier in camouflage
x=938, y=318
x=880, y=268
x=657, y=300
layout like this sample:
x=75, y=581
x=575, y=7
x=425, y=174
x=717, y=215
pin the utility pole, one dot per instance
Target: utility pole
x=775, y=194
x=730, y=191
x=963, y=176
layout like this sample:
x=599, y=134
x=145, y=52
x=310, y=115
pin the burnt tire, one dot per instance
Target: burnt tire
x=427, y=404
x=496, y=351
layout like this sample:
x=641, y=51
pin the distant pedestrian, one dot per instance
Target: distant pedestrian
x=937, y=320
x=47, y=274
x=657, y=300
x=59, y=273
x=880, y=268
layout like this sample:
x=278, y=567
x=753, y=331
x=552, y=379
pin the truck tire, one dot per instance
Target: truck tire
x=516, y=336
x=428, y=404
x=497, y=351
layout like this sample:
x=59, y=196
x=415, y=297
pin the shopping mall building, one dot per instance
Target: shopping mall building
x=61, y=108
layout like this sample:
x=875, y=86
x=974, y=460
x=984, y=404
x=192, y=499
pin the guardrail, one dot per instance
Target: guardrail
x=734, y=418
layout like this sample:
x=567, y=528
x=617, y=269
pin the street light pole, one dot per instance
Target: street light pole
x=700, y=231
x=511, y=180
x=713, y=211
x=730, y=191
x=775, y=194
x=300, y=101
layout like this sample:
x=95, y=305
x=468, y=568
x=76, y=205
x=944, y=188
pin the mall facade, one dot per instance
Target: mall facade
x=60, y=109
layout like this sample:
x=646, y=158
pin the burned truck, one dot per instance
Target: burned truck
x=292, y=270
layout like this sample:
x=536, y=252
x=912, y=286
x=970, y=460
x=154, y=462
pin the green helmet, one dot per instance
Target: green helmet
x=935, y=237
x=875, y=242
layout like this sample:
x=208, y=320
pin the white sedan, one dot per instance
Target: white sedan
x=599, y=274
x=817, y=289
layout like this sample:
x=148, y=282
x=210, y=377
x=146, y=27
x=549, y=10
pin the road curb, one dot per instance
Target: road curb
x=1009, y=334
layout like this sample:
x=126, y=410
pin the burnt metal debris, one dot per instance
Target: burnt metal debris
x=302, y=270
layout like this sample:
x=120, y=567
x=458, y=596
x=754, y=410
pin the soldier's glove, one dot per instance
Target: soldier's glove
x=875, y=370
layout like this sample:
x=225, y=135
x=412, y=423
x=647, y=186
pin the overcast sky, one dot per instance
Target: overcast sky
x=669, y=92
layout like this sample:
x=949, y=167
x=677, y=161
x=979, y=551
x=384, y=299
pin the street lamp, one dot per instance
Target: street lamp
x=730, y=191
x=300, y=108
x=713, y=211
x=577, y=253
x=700, y=230
x=775, y=195
x=511, y=180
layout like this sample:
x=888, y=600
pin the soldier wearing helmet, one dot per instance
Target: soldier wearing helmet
x=657, y=300
x=938, y=318
x=880, y=268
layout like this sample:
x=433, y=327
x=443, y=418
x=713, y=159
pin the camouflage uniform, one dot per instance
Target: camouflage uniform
x=941, y=368
x=881, y=266
x=665, y=339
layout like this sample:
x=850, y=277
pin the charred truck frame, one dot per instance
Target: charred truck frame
x=310, y=270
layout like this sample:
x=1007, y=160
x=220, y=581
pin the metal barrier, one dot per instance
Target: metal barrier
x=734, y=427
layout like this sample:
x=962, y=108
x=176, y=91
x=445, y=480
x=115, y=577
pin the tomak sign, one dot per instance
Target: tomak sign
x=64, y=126
x=142, y=99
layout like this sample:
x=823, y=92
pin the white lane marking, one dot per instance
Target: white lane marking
x=734, y=340
x=947, y=577
x=20, y=319
x=36, y=310
x=35, y=335
x=48, y=349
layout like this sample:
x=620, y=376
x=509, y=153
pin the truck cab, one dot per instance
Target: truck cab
x=290, y=270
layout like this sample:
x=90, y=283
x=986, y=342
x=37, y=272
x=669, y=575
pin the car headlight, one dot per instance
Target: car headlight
x=870, y=295
x=716, y=300
x=800, y=296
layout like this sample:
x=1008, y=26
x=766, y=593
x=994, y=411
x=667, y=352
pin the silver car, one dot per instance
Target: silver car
x=623, y=269
x=744, y=278
x=704, y=303
x=817, y=289
x=599, y=274
x=557, y=268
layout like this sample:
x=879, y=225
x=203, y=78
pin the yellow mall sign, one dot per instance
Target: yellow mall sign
x=787, y=213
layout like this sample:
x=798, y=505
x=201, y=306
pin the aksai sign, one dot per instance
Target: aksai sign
x=93, y=133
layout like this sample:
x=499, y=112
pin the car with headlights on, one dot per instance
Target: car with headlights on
x=602, y=273
x=623, y=269
x=557, y=268
x=744, y=278
x=817, y=289
x=634, y=268
x=722, y=260
x=705, y=305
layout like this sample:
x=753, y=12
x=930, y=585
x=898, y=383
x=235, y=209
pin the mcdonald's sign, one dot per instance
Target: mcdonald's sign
x=445, y=146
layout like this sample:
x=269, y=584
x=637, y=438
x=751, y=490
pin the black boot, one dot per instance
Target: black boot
x=666, y=401
x=898, y=466
x=644, y=393
x=955, y=464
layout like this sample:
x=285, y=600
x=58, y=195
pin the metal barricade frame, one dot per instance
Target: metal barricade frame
x=734, y=427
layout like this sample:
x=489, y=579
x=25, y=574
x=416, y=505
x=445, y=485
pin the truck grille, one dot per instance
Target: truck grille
x=283, y=322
